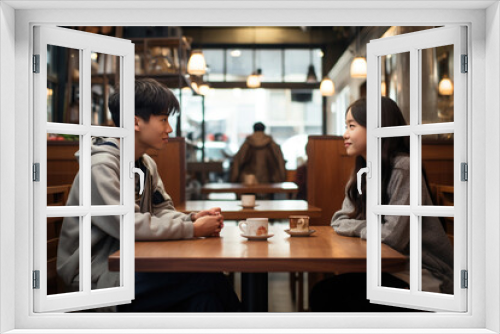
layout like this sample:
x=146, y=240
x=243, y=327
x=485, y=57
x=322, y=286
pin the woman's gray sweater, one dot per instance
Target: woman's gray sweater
x=437, y=252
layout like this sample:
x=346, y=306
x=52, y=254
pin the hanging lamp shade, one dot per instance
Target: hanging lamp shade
x=327, y=88
x=358, y=67
x=204, y=89
x=445, y=86
x=253, y=80
x=311, y=74
x=196, y=64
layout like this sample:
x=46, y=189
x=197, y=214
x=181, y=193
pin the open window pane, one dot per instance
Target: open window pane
x=438, y=146
x=63, y=85
x=62, y=150
x=437, y=92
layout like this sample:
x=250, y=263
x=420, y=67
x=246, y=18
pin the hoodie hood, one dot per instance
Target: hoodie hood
x=101, y=145
x=259, y=139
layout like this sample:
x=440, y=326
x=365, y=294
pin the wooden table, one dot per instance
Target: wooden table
x=272, y=209
x=324, y=251
x=240, y=188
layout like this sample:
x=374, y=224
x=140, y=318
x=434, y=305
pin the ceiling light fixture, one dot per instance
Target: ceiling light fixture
x=358, y=65
x=311, y=74
x=327, y=88
x=253, y=80
x=196, y=64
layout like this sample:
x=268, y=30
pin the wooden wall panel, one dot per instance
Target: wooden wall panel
x=171, y=160
x=328, y=171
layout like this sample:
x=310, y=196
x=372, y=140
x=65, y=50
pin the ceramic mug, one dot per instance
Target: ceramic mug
x=299, y=223
x=248, y=201
x=254, y=227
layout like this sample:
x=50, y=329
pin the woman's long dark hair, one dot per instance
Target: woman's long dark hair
x=391, y=147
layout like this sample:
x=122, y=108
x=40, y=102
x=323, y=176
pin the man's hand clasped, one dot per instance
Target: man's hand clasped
x=208, y=223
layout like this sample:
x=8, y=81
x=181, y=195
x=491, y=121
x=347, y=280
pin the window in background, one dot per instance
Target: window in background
x=239, y=64
x=215, y=63
x=231, y=113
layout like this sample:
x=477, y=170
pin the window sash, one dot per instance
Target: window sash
x=86, y=43
x=413, y=43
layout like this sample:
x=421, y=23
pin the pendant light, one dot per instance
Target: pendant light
x=358, y=65
x=327, y=88
x=253, y=80
x=445, y=86
x=196, y=64
x=311, y=73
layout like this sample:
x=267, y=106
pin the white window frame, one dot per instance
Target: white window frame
x=413, y=44
x=85, y=43
x=16, y=24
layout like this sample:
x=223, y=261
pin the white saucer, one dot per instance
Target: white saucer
x=248, y=207
x=260, y=237
x=300, y=234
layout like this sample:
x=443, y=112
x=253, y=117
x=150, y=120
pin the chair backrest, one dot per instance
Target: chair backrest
x=56, y=196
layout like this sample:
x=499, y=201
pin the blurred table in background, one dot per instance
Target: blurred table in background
x=272, y=209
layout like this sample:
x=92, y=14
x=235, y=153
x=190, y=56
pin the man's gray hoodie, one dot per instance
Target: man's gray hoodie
x=155, y=215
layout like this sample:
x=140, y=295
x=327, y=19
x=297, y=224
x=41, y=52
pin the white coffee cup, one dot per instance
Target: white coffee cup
x=248, y=200
x=254, y=227
x=299, y=223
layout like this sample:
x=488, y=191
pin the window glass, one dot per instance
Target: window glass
x=401, y=278
x=63, y=86
x=437, y=89
x=290, y=117
x=55, y=283
x=271, y=64
x=395, y=80
x=215, y=64
x=296, y=64
x=437, y=161
x=105, y=71
x=441, y=254
x=62, y=161
x=239, y=64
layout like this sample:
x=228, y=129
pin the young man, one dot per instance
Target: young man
x=155, y=217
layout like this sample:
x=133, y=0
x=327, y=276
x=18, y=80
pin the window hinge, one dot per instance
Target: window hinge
x=36, y=172
x=465, y=64
x=465, y=279
x=36, y=279
x=36, y=63
x=464, y=171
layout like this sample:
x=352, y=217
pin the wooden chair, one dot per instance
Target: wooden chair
x=56, y=196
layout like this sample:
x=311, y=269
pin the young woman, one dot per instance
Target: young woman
x=347, y=292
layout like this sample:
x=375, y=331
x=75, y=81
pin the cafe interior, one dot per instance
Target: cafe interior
x=298, y=82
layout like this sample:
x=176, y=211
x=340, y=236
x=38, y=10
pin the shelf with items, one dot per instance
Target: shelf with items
x=163, y=59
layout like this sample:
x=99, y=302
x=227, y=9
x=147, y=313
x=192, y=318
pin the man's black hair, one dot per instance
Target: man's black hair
x=151, y=98
x=259, y=126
